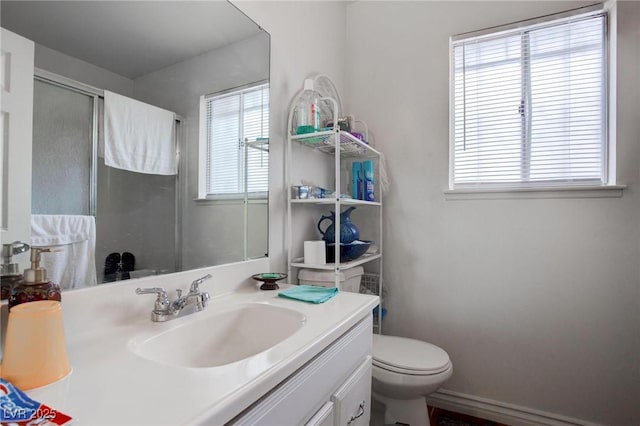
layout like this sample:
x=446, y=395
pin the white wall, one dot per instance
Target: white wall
x=537, y=301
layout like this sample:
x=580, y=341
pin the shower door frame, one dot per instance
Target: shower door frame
x=95, y=93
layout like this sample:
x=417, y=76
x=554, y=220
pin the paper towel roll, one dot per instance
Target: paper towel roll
x=314, y=253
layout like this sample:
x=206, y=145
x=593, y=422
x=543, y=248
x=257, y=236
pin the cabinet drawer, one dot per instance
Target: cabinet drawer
x=324, y=416
x=352, y=401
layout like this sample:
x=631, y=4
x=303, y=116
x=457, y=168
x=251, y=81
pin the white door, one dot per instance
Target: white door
x=16, y=133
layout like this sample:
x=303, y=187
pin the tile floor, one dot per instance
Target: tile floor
x=437, y=417
x=440, y=417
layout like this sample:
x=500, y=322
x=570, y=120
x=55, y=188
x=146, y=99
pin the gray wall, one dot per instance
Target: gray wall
x=68, y=66
x=535, y=300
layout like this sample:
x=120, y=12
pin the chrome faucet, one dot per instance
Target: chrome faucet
x=164, y=309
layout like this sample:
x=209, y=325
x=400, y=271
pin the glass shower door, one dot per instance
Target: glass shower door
x=63, y=146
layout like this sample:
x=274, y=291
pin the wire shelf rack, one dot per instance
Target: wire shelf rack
x=350, y=146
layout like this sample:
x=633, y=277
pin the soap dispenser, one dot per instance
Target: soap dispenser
x=10, y=275
x=35, y=285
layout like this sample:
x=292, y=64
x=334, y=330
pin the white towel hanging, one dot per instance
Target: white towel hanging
x=74, y=266
x=138, y=137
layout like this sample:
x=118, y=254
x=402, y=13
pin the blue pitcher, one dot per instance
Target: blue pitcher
x=348, y=231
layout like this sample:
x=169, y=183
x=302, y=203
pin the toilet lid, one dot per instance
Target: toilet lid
x=404, y=355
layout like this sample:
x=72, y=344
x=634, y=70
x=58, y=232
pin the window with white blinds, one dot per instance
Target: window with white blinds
x=529, y=106
x=237, y=138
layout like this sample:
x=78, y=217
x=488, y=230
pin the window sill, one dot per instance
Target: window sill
x=229, y=200
x=604, y=191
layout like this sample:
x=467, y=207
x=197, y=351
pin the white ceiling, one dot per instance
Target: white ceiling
x=130, y=38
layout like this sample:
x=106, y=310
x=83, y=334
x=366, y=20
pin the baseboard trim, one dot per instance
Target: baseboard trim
x=497, y=411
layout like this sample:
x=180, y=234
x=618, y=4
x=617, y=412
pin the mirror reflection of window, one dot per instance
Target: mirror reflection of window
x=236, y=129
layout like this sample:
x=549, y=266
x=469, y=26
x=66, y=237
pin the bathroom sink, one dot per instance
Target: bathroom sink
x=221, y=338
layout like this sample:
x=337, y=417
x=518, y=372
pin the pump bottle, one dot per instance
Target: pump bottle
x=35, y=285
x=10, y=275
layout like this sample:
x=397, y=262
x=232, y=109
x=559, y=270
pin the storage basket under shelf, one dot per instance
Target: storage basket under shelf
x=370, y=284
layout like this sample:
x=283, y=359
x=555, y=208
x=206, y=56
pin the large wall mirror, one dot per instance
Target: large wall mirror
x=103, y=71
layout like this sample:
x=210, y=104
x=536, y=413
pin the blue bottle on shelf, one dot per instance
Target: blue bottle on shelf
x=369, y=183
x=357, y=183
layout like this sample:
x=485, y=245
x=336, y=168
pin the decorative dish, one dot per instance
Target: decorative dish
x=269, y=280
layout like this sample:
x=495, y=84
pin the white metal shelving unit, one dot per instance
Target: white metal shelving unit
x=344, y=147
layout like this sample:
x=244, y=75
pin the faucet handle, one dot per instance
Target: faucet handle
x=204, y=299
x=162, y=300
x=195, y=286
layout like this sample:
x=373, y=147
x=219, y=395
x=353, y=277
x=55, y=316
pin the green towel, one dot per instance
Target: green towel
x=309, y=293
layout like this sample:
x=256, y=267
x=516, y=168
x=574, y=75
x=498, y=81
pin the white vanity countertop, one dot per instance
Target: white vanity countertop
x=110, y=384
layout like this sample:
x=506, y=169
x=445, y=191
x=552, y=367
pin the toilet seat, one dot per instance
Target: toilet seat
x=408, y=356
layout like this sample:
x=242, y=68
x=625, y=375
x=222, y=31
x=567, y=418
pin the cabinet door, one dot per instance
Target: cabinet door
x=298, y=397
x=323, y=417
x=352, y=401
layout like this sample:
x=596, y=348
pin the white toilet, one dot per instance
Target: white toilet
x=405, y=371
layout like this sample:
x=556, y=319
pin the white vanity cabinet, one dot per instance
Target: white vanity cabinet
x=323, y=417
x=352, y=401
x=309, y=377
x=334, y=388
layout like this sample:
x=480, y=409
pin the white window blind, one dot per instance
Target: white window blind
x=529, y=106
x=237, y=142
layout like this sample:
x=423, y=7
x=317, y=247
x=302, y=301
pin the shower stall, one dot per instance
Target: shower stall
x=135, y=213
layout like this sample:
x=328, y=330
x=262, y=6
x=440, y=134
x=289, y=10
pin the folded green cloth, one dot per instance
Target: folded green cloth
x=309, y=293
